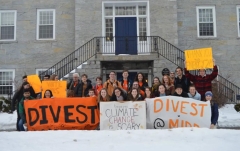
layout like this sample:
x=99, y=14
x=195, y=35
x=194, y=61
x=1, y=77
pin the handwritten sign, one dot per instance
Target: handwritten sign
x=58, y=88
x=123, y=116
x=199, y=59
x=173, y=112
x=62, y=114
x=34, y=82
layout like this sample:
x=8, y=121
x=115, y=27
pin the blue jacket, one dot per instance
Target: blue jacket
x=197, y=96
x=215, y=113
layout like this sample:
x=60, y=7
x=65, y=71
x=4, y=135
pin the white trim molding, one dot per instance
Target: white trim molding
x=46, y=23
x=15, y=24
x=209, y=20
x=238, y=19
x=12, y=79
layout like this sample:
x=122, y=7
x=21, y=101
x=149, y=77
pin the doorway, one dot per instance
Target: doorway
x=126, y=35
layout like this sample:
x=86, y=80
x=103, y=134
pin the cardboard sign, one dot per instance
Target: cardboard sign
x=173, y=112
x=123, y=115
x=58, y=88
x=35, y=82
x=62, y=114
x=199, y=59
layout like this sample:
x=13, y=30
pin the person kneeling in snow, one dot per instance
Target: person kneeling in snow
x=26, y=96
x=214, y=109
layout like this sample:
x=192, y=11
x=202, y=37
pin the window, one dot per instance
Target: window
x=206, y=21
x=142, y=10
x=238, y=20
x=40, y=71
x=129, y=10
x=109, y=29
x=7, y=81
x=45, y=24
x=108, y=11
x=142, y=29
x=8, y=25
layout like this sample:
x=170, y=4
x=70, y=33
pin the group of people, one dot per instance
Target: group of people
x=124, y=89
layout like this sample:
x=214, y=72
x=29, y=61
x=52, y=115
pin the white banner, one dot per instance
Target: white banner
x=123, y=115
x=172, y=112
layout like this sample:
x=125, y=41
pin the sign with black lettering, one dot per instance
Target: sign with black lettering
x=62, y=114
x=123, y=115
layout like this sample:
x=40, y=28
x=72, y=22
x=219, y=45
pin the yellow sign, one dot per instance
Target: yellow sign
x=34, y=82
x=58, y=88
x=199, y=59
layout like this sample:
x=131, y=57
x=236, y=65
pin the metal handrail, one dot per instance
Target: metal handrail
x=176, y=56
x=145, y=44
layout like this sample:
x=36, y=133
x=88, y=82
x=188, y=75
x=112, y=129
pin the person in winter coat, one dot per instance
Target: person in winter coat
x=112, y=83
x=118, y=95
x=193, y=93
x=126, y=83
x=179, y=92
x=134, y=95
x=203, y=81
x=156, y=83
x=182, y=79
x=214, y=109
x=141, y=81
x=170, y=89
x=17, y=98
x=26, y=97
x=80, y=87
x=98, y=86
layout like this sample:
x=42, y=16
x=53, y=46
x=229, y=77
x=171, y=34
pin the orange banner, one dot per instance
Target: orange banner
x=62, y=114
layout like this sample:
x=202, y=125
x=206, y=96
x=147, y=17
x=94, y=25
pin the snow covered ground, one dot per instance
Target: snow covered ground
x=228, y=118
x=181, y=139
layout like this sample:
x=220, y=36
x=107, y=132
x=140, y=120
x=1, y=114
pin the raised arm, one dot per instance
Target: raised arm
x=188, y=74
x=214, y=74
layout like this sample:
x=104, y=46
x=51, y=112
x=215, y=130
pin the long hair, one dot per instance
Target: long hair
x=151, y=93
x=51, y=94
x=131, y=98
x=143, y=80
x=169, y=80
x=164, y=88
x=121, y=92
x=100, y=98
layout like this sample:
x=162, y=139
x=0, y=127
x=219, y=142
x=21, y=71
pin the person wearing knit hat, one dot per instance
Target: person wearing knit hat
x=179, y=91
x=214, y=110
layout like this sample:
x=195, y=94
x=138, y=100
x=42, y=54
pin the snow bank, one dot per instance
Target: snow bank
x=182, y=139
x=8, y=121
x=228, y=117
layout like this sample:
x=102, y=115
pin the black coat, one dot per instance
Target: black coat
x=185, y=82
x=185, y=95
x=78, y=89
x=145, y=84
x=17, y=97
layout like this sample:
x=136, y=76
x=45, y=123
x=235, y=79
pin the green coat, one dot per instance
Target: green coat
x=21, y=108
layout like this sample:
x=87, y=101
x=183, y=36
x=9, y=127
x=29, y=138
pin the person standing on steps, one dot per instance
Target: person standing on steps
x=202, y=81
x=98, y=86
x=125, y=81
x=141, y=81
x=112, y=83
x=182, y=80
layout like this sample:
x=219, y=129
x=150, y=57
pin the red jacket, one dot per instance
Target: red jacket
x=202, y=84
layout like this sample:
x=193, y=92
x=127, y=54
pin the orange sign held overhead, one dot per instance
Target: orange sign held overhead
x=58, y=88
x=62, y=114
x=199, y=59
x=35, y=82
